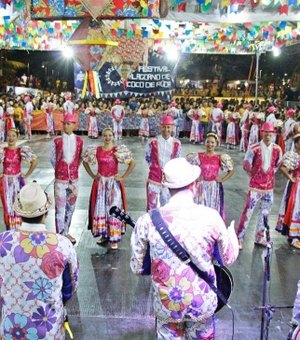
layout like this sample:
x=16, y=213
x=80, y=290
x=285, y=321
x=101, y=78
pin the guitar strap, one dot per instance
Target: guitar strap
x=181, y=253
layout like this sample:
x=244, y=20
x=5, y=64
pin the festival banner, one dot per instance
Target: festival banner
x=157, y=78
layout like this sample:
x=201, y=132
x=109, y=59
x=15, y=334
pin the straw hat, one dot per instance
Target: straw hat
x=69, y=118
x=32, y=201
x=167, y=120
x=178, y=173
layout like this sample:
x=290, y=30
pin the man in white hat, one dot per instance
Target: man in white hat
x=65, y=157
x=183, y=304
x=38, y=272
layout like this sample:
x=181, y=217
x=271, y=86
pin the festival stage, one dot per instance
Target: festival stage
x=112, y=303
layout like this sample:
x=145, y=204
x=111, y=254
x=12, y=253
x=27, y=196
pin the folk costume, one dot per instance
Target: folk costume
x=175, y=114
x=196, y=135
x=209, y=192
x=107, y=191
x=39, y=274
x=245, y=127
x=289, y=212
x=27, y=117
x=48, y=109
x=256, y=118
x=93, y=130
x=144, y=128
x=118, y=113
x=260, y=162
x=12, y=181
x=66, y=156
x=68, y=105
x=9, y=119
x=183, y=303
x=158, y=152
x=217, y=117
x=287, y=130
x=232, y=132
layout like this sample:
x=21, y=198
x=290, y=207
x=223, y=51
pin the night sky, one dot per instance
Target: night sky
x=196, y=67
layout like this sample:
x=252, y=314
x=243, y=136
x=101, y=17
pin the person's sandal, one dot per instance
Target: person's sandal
x=101, y=240
x=114, y=246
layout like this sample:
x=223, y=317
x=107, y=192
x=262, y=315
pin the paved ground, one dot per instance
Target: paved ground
x=112, y=303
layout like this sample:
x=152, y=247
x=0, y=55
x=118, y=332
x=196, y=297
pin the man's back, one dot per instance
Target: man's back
x=39, y=271
x=178, y=292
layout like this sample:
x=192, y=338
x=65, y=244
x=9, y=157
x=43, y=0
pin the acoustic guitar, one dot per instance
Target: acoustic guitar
x=223, y=276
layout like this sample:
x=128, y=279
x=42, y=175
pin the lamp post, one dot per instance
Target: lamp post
x=258, y=53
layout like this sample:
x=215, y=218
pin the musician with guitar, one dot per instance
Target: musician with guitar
x=184, y=298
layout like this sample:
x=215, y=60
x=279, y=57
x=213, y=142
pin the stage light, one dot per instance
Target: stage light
x=172, y=53
x=276, y=51
x=67, y=52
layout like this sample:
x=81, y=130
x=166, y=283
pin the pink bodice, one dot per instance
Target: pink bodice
x=210, y=166
x=12, y=161
x=107, y=162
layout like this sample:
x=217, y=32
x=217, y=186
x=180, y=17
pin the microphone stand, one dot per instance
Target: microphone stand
x=266, y=309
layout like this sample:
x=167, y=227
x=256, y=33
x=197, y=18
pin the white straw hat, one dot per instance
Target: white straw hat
x=178, y=173
x=32, y=201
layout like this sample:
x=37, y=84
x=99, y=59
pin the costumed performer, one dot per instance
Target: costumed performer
x=117, y=112
x=108, y=187
x=66, y=156
x=159, y=151
x=195, y=114
x=288, y=223
x=39, y=272
x=183, y=303
x=209, y=189
x=12, y=179
x=261, y=163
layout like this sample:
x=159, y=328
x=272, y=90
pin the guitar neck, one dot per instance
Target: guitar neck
x=122, y=216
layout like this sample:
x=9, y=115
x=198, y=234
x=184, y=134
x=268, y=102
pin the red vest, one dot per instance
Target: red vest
x=260, y=179
x=64, y=171
x=155, y=171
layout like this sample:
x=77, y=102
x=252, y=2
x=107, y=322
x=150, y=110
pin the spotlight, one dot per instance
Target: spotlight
x=172, y=53
x=276, y=51
x=67, y=52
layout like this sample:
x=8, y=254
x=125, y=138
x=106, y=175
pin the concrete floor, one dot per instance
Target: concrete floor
x=112, y=303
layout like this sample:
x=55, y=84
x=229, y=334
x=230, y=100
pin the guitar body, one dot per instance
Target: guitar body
x=224, y=283
x=224, y=278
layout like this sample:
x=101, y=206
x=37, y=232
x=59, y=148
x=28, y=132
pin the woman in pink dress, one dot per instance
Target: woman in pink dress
x=209, y=190
x=11, y=177
x=92, y=123
x=288, y=223
x=144, y=128
x=108, y=187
